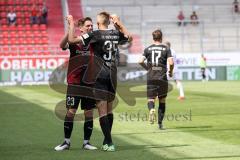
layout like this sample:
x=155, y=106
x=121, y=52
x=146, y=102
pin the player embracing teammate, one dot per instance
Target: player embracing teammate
x=80, y=56
x=104, y=43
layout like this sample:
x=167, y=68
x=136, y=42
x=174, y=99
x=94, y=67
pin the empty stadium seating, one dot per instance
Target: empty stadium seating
x=218, y=30
x=24, y=38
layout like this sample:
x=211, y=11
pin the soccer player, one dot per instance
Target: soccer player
x=176, y=73
x=203, y=66
x=74, y=79
x=157, y=55
x=104, y=42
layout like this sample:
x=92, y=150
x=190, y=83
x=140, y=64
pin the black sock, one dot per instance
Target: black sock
x=110, y=120
x=68, y=126
x=88, y=128
x=150, y=105
x=105, y=129
x=161, y=112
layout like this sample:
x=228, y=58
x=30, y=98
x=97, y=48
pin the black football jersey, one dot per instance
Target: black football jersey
x=156, y=56
x=105, y=44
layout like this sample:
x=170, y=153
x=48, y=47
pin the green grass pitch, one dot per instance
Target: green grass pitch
x=204, y=126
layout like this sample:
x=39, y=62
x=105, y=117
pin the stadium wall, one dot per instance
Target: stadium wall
x=34, y=70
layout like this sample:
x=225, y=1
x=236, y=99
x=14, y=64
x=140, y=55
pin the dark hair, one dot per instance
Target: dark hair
x=157, y=35
x=83, y=20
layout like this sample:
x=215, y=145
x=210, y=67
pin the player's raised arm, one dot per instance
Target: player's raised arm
x=119, y=26
x=71, y=37
x=64, y=42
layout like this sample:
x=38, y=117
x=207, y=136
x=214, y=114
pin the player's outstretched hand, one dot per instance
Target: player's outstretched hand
x=70, y=19
x=116, y=20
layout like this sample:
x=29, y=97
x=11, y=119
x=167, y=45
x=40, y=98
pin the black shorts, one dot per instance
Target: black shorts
x=105, y=89
x=157, y=88
x=80, y=94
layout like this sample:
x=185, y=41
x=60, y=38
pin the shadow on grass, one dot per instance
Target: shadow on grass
x=181, y=129
x=145, y=147
x=28, y=131
x=190, y=127
x=212, y=157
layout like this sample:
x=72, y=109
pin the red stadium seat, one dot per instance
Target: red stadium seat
x=28, y=40
x=1, y=8
x=19, y=15
x=35, y=41
x=23, y=53
x=5, y=49
x=37, y=34
x=44, y=33
x=25, y=2
x=20, y=28
x=18, y=8
x=13, y=54
x=40, y=2
x=22, y=48
x=8, y=54
x=43, y=27
x=3, y=14
x=21, y=34
x=18, y=2
x=25, y=9
x=27, y=20
x=2, y=2
x=45, y=47
x=33, y=1
x=5, y=34
x=27, y=27
x=12, y=28
x=4, y=21
x=30, y=48
x=27, y=14
x=4, y=28
x=10, y=2
x=24, y=42
x=5, y=41
x=13, y=34
x=14, y=48
x=5, y=54
x=12, y=41
x=20, y=21
x=28, y=34
x=41, y=48
x=21, y=41
x=35, y=27
x=44, y=40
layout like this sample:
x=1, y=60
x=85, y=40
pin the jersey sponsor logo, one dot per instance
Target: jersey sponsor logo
x=157, y=68
x=85, y=36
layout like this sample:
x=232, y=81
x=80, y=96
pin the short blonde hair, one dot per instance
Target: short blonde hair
x=104, y=18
